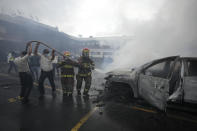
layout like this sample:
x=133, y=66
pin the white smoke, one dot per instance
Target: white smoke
x=173, y=31
x=85, y=17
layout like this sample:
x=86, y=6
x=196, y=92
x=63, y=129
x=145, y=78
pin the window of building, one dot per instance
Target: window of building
x=95, y=53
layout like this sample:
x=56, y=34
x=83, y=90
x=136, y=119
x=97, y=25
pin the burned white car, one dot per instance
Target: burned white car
x=168, y=80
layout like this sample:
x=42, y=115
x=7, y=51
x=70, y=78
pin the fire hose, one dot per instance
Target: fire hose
x=44, y=44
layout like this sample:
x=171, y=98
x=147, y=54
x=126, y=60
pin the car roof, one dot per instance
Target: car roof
x=172, y=57
x=164, y=58
x=169, y=57
x=189, y=58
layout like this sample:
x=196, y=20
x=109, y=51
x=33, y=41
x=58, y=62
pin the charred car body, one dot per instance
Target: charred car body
x=167, y=80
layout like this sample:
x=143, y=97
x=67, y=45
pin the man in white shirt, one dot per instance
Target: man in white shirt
x=46, y=69
x=24, y=73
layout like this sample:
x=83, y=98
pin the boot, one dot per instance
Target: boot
x=85, y=94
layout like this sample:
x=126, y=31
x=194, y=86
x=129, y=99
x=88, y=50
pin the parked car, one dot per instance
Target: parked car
x=172, y=79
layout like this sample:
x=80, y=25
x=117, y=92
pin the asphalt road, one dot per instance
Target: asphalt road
x=78, y=113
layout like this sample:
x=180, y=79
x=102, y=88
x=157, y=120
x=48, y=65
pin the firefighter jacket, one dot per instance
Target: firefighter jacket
x=86, y=65
x=67, y=67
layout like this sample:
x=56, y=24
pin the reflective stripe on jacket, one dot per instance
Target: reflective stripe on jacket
x=68, y=66
x=84, y=75
x=67, y=76
x=86, y=65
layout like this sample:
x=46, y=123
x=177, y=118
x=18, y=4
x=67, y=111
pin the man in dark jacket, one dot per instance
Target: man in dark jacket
x=34, y=64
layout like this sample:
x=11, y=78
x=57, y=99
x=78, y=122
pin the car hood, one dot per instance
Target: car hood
x=120, y=72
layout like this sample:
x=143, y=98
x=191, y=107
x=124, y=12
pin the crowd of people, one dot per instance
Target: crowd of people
x=35, y=66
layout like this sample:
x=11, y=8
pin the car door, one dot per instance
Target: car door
x=190, y=81
x=154, y=82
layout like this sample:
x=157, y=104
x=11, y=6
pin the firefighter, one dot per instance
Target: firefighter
x=86, y=65
x=67, y=74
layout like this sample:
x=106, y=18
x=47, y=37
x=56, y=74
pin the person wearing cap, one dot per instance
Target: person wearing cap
x=86, y=65
x=24, y=74
x=46, y=69
x=67, y=74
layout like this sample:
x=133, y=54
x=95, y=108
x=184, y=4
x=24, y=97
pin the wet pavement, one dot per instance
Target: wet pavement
x=78, y=113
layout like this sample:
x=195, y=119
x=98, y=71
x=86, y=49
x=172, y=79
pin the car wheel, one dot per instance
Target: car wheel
x=119, y=92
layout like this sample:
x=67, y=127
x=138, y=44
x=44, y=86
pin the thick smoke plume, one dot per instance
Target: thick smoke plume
x=173, y=31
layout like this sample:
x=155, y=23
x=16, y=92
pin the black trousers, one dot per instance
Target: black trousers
x=26, y=84
x=43, y=76
x=87, y=79
x=67, y=84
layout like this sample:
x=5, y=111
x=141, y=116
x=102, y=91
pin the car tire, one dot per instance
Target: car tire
x=119, y=92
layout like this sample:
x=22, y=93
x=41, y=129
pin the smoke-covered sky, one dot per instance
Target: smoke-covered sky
x=159, y=27
x=85, y=17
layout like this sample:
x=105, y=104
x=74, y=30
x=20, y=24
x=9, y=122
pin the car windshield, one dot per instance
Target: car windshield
x=144, y=66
